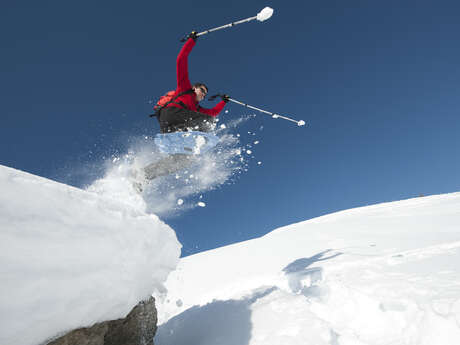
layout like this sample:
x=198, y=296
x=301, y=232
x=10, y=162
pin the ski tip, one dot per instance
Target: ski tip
x=301, y=123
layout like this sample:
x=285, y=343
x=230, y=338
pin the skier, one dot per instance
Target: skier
x=179, y=111
x=183, y=111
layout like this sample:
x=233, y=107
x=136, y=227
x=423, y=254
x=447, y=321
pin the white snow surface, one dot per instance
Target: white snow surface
x=70, y=258
x=377, y=275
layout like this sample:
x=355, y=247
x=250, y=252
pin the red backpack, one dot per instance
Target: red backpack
x=166, y=99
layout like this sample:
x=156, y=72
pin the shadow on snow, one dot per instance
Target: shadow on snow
x=305, y=280
x=229, y=322
x=217, y=323
x=301, y=264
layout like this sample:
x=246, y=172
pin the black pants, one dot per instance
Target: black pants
x=174, y=119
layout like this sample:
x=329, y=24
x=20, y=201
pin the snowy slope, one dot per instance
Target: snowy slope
x=70, y=258
x=384, y=274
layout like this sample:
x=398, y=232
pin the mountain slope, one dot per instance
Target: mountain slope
x=383, y=274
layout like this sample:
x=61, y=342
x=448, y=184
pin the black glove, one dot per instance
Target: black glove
x=225, y=98
x=193, y=35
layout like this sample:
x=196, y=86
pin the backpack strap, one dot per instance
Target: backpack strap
x=157, y=112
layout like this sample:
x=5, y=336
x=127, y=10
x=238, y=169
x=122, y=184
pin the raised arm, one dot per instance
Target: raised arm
x=183, y=82
x=213, y=111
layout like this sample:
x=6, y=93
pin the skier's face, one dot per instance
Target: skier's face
x=200, y=93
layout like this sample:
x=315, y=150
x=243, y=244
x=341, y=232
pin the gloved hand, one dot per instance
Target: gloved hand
x=193, y=35
x=225, y=98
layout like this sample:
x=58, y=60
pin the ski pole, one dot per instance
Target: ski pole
x=263, y=15
x=274, y=115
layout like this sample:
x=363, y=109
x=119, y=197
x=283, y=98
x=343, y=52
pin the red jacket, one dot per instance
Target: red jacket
x=183, y=84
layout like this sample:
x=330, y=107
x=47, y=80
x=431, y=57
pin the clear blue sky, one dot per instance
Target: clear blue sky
x=376, y=81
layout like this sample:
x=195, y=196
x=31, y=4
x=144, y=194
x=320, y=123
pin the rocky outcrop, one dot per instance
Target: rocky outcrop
x=138, y=328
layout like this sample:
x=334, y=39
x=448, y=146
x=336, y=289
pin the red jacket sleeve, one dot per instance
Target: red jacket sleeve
x=213, y=111
x=183, y=82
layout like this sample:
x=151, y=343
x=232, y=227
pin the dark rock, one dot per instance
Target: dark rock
x=138, y=328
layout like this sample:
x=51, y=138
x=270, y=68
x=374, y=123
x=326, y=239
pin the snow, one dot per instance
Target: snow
x=209, y=170
x=377, y=275
x=265, y=14
x=70, y=258
x=382, y=274
x=200, y=141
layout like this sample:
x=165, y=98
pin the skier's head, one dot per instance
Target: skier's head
x=200, y=90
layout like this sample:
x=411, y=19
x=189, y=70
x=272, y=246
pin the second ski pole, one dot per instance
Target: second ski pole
x=263, y=15
x=273, y=115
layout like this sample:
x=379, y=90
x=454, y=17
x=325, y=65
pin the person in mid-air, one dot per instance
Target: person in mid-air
x=183, y=111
